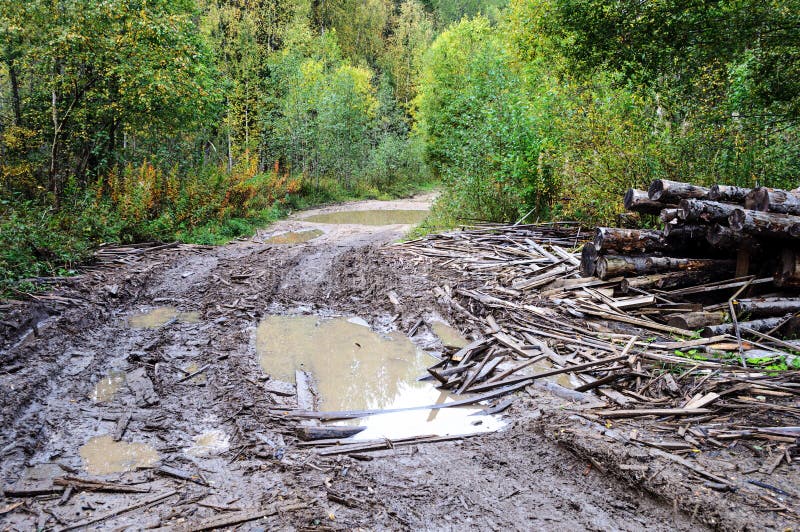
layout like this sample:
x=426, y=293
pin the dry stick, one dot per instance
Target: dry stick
x=530, y=378
x=115, y=513
x=736, y=321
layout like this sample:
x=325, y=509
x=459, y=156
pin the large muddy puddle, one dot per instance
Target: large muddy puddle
x=373, y=217
x=294, y=237
x=356, y=368
x=160, y=316
x=104, y=456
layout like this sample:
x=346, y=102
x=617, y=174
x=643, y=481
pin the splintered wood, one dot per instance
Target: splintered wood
x=631, y=355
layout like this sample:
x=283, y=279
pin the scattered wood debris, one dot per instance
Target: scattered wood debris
x=626, y=340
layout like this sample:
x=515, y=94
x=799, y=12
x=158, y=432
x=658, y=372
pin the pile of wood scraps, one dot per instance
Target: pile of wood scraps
x=614, y=342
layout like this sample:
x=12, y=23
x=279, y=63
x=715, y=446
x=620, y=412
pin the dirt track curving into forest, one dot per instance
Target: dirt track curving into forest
x=517, y=478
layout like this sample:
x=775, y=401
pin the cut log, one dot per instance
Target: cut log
x=667, y=191
x=765, y=224
x=667, y=215
x=704, y=211
x=762, y=325
x=728, y=194
x=787, y=274
x=763, y=307
x=723, y=237
x=669, y=280
x=638, y=201
x=695, y=320
x=610, y=239
x=616, y=265
x=679, y=263
x=685, y=236
x=773, y=200
x=588, y=260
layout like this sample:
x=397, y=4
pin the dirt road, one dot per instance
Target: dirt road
x=188, y=398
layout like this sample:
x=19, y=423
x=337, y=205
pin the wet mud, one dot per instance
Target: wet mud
x=169, y=373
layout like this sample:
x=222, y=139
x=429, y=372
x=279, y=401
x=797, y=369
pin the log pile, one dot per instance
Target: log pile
x=708, y=235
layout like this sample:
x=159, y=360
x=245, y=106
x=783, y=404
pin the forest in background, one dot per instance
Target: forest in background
x=130, y=120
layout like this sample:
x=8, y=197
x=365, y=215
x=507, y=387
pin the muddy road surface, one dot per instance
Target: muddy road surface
x=147, y=393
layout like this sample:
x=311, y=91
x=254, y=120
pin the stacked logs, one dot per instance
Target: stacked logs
x=708, y=234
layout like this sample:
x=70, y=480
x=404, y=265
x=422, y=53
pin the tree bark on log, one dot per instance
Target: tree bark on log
x=685, y=236
x=681, y=263
x=611, y=239
x=723, y=237
x=616, y=265
x=773, y=200
x=764, y=307
x=638, y=201
x=762, y=325
x=704, y=211
x=765, y=224
x=670, y=280
x=667, y=215
x=728, y=194
x=589, y=257
x=691, y=321
x=787, y=274
x=667, y=191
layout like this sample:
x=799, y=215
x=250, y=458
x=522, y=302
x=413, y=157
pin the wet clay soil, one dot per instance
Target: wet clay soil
x=108, y=388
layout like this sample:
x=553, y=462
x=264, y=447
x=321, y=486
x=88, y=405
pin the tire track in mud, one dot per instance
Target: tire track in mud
x=515, y=479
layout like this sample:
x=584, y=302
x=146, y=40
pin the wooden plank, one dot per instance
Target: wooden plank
x=306, y=397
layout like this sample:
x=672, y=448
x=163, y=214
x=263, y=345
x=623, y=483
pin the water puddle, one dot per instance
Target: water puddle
x=107, y=387
x=294, y=237
x=161, y=316
x=356, y=368
x=373, y=217
x=450, y=336
x=104, y=456
x=210, y=443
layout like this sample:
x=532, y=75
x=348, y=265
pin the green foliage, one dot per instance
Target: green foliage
x=482, y=126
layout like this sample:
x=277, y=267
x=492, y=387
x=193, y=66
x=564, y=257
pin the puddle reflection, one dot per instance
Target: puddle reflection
x=371, y=217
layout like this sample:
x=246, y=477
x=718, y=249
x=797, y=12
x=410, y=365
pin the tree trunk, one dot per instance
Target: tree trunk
x=728, y=194
x=773, y=200
x=638, y=201
x=609, y=239
x=588, y=260
x=15, y=99
x=765, y=224
x=703, y=211
x=667, y=191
